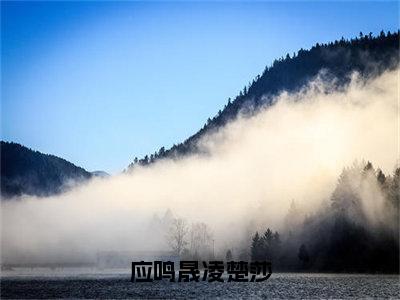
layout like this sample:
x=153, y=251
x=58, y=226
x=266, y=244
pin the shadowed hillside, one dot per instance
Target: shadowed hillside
x=24, y=171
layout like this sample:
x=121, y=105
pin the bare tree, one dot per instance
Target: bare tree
x=177, y=235
x=200, y=238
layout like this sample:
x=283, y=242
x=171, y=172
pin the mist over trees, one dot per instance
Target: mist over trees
x=355, y=230
x=177, y=235
x=366, y=54
x=358, y=231
x=188, y=240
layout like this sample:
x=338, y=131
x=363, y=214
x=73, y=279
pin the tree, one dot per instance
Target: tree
x=293, y=218
x=345, y=199
x=380, y=176
x=268, y=237
x=276, y=238
x=177, y=235
x=303, y=254
x=368, y=166
x=161, y=152
x=394, y=190
x=186, y=254
x=200, y=238
x=256, y=248
x=270, y=244
x=229, y=255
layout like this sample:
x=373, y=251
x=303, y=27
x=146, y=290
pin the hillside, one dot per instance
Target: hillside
x=368, y=55
x=24, y=171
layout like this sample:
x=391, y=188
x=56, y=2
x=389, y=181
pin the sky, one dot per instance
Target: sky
x=99, y=83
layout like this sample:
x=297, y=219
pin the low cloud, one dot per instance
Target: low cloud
x=256, y=166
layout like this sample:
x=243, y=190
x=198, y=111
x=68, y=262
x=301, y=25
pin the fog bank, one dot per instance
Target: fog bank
x=256, y=166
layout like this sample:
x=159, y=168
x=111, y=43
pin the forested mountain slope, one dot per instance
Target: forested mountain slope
x=368, y=55
x=25, y=171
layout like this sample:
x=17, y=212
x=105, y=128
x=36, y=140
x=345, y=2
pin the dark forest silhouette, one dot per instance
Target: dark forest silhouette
x=24, y=171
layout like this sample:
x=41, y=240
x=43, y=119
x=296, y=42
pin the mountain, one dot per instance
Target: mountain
x=368, y=55
x=25, y=171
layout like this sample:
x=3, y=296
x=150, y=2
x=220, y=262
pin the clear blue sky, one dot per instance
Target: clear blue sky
x=98, y=83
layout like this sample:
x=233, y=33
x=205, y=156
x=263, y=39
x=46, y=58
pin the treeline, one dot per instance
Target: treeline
x=357, y=232
x=24, y=171
x=367, y=54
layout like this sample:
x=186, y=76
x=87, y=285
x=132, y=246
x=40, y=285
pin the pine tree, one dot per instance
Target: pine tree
x=256, y=248
x=303, y=254
x=229, y=255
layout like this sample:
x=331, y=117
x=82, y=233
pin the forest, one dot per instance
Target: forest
x=355, y=231
x=357, y=228
x=366, y=54
x=24, y=171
